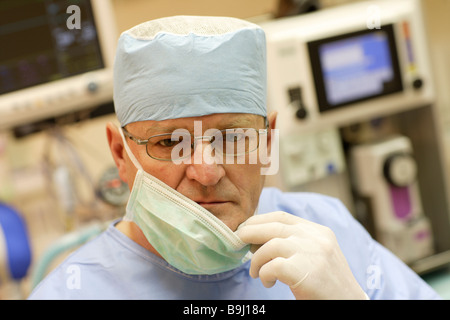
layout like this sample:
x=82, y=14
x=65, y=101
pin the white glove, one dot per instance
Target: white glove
x=302, y=254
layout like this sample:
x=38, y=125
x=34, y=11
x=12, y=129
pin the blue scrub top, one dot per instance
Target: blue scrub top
x=112, y=266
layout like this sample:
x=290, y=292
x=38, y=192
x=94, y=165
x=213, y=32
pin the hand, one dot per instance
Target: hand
x=302, y=254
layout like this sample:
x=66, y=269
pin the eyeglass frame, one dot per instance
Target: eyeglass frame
x=142, y=142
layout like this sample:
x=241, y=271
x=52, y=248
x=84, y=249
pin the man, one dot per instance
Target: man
x=185, y=90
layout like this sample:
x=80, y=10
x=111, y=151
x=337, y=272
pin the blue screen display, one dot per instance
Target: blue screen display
x=356, y=67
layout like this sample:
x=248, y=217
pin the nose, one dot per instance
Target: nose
x=204, y=167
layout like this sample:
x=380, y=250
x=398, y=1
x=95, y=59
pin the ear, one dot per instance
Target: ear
x=117, y=150
x=272, y=118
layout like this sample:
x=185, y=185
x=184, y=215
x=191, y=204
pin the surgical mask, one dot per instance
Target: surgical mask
x=185, y=234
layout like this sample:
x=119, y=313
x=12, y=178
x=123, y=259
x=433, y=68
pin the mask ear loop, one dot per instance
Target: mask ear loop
x=129, y=215
x=129, y=153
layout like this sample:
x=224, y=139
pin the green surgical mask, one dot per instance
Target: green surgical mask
x=185, y=234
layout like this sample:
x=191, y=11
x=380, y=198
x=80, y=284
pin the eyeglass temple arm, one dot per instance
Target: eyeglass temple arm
x=136, y=140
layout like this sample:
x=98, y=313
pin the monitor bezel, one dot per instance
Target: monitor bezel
x=70, y=94
x=317, y=70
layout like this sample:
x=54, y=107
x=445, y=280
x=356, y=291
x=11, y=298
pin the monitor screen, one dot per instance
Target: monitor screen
x=37, y=46
x=355, y=67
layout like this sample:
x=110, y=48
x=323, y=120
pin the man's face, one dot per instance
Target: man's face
x=230, y=191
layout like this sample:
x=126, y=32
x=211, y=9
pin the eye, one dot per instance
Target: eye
x=167, y=143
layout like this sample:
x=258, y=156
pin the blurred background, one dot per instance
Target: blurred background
x=361, y=88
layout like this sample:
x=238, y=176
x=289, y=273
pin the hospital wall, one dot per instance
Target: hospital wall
x=23, y=161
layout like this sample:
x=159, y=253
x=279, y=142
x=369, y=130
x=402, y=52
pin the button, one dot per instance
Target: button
x=301, y=113
x=417, y=83
x=400, y=169
x=295, y=97
x=92, y=87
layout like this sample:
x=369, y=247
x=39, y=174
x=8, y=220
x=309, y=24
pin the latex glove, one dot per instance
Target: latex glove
x=302, y=254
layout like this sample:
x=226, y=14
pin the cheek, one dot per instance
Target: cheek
x=168, y=173
x=249, y=181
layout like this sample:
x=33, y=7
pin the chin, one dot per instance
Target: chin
x=231, y=217
x=233, y=221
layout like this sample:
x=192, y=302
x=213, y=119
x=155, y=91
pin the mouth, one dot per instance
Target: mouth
x=209, y=204
x=220, y=209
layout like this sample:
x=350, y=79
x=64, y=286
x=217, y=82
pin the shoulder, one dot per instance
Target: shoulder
x=315, y=207
x=92, y=271
x=64, y=281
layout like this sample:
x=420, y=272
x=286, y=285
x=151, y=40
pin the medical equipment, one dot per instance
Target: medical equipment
x=15, y=248
x=312, y=157
x=324, y=64
x=112, y=189
x=68, y=179
x=358, y=70
x=58, y=58
x=385, y=174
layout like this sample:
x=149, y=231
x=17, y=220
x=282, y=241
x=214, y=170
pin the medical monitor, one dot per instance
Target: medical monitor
x=355, y=67
x=348, y=64
x=56, y=58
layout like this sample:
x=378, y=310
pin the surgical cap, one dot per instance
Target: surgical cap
x=189, y=66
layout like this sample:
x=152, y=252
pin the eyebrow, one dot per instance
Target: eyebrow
x=155, y=129
x=241, y=122
x=238, y=123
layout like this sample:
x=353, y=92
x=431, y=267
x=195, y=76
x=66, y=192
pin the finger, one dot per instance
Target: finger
x=261, y=233
x=283, y=270
x=273, y=249
x=269, y=272
x=276, y=216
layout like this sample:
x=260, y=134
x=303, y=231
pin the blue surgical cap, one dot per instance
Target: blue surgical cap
x=188, y=66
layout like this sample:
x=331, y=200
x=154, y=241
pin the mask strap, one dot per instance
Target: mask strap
x=128, y=151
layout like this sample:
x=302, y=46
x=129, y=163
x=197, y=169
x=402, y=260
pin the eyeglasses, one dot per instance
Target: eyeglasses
x=180, y=143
